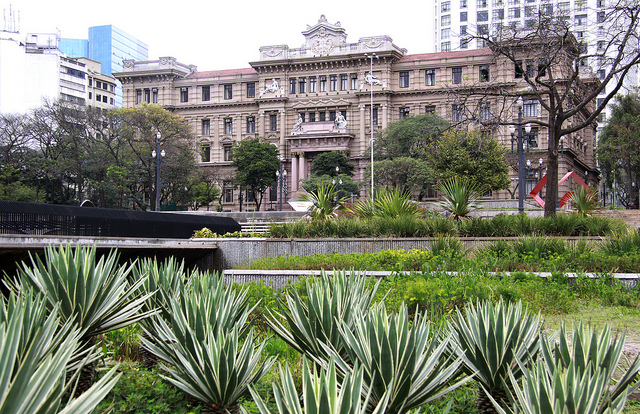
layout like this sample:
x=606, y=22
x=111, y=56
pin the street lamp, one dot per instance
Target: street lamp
x=281, y=177
x=337, y=181
x=158, y=158
x=521, y=161
x=371, y=56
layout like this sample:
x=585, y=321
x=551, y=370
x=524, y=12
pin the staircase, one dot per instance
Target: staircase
x=631, y=217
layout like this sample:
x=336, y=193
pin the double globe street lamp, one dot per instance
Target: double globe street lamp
x=158, y=158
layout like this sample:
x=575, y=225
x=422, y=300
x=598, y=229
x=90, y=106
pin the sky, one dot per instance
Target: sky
x=227, y=34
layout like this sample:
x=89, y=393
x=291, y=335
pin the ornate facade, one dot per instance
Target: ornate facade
x=319, y=98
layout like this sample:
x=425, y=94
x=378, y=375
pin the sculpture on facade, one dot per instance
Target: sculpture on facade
x=372, y=80
x=341, y=122
x=273, y=88
x=297, y=127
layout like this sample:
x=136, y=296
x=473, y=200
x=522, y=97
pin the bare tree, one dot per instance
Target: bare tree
x=551, y=66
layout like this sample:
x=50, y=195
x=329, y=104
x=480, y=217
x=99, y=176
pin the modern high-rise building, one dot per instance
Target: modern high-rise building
x=110, y=46
x=457, y=21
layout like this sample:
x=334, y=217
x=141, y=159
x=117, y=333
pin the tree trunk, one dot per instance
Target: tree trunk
x=551, y=195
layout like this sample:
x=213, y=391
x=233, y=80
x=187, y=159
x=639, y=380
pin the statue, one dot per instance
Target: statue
x=298, y=125
x=341, y=122
x=273, y=88
x=372, y=80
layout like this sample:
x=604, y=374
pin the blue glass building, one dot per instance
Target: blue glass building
x=109, y=46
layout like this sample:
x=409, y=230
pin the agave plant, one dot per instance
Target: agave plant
x=402, y=361
x=34, y=360
x=330, y=301
x=591, y=352
x=94, y=294
x=460, y=197
x=492, y=339
x=562, y=390
x=322, y=393
x=325, y=203
x=388, y=203
x=585, y=201
x=213, y=368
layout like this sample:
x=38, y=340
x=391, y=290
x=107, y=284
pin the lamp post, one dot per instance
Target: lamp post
x=371, y=56
x=337, y=182
x=158, y=158
x=281, y=177
x=521, y=161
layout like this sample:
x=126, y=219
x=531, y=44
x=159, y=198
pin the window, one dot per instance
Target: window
x=154, y=95
x=332, y=116
x=581, y=20
x=484, y=73
x=323, y=83
x=251, y=90
x=98, y=84
x=564, y=7
x=292, y=85
x=404, y=79
x=312, y=117
x=483, y=4
x=251, y=125
x=228, y=91
x=404, y=112
x=514, y=13
x=228, y=126
x=343, y=82
x=302, y=85
x=600, y=102
x=430, y=109
x=226, y=152
x=463, y=4
x=273, y=122
x=463, y=30
x=445, y=20
x=601, y=74
x=581, y=5
x=334, y=83
x=498, y=14
x=463, y=16
x=111, y=101
x=546, y=9
x=602, y=45
x=184, y=94
x=530, y=108
x=445, y=34
x=205, y=152
x=104, y=85
x=313, y=82
x=273, y=193
x=354, y=81
x=206, y=127
x=483, y=30
x=483, y=16
x=457, y=75
x=430, y=77
x=445, y=6
x=138, y=96
x=481, y=43
x=323, y=116
x=530, y=11
x=532, y=142
x=375, y=116
x=228, y=191
x=601, y=3
x=206, y=93
x=456, y=113
x=485, y=111
x=519, y=72
x=445, y=46
x=464, y=43
x=147, y=95
x=302, y=116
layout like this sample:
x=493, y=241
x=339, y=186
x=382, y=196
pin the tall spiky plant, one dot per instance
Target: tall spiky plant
x=322, y=392
x=325, y=203
x=491, y=338
x=460, y=197
x=402, y=360
x=95, y=294
x=330, y=301
x=585, y=201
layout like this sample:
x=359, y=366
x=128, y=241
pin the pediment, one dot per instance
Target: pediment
x=323, y=37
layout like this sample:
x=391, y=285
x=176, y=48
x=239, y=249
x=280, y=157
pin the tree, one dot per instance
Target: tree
x=406, y=173
x=618, y=149
x=256, y=164
x=477, y=157
x=411, y=136
x=326, y=163
x=554, y=73
x=343, y=190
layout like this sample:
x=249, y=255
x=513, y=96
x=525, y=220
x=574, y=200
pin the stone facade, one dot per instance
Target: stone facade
x=319, y=97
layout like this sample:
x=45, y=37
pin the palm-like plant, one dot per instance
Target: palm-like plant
x=585, y=201
x=590, y=352
x=492, y=339
x=402, y=360
x=325, y=203
x=330, y=301
x=460, y=197
x=562, y=390
x=94, y=294
x=388, y=203
x=34, y=359
x=322, y=393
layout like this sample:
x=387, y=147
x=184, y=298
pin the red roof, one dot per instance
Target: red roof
x=445, y=55
x=225, y=72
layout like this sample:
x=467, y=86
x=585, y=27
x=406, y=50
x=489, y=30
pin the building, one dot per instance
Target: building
x=328, y=95
x=110, y=46
x=456, y=21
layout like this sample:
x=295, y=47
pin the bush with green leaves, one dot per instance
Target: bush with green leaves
x=460, y=197
x=388, y=203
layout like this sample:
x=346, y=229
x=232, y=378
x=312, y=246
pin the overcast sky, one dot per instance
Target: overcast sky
x=227, y=34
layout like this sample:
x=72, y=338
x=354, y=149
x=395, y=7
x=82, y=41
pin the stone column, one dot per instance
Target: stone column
x=238, y=127
x=302, y=167
x=283, y=126
x=363, y=129
x=385, y=115
x=261, y=127
x=294, y=172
